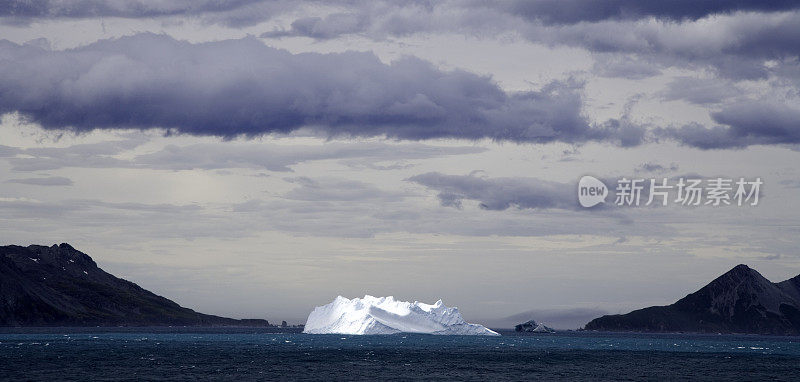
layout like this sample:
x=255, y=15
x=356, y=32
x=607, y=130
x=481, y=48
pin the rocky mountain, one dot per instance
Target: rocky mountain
x=533, y=327
x=61, y=286
x=739, y=301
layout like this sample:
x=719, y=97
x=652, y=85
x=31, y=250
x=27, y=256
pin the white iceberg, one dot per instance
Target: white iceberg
x=385, y=315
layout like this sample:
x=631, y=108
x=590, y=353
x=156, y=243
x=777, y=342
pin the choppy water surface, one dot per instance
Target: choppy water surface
x=257, y=354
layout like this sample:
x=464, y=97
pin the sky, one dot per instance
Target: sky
x=258, y=158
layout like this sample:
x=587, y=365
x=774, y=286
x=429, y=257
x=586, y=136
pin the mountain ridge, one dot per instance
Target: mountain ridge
x=738, y=301
x=61, y=286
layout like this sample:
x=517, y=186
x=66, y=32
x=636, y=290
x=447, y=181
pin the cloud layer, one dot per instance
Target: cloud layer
x=44, y=181
x=243, y=88
x=154, y=81
x=499, y=193
x=575, y=11
x=234, y=11
x=732, y=38
x=222, y=155
x=746, y=123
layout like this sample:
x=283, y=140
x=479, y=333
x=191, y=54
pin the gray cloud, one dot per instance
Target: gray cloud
x=700, y=91
x=146, y=80
x=737, y=49
x=499, y=193
x=222, y=155
x=323, y=207
x=98, y=8
x=624, y=66
x=749, y=123
x=331, y=26
x=26, y=208
x=234, y=13
x=332, y=189
x=761, y=122
x=697, y=135
x=575, y=11
x=662, y=34
x=649, y=35
x=657, y=168
x=88, y=155
x=9, y=151
x=45, y=181
x=273, y=157
x=790, y=183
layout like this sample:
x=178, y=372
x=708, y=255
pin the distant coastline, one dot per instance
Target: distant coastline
x=59, y=286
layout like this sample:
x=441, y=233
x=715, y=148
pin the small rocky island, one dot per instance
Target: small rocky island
x=533, y=327
x=61, y=286
x=739, y=301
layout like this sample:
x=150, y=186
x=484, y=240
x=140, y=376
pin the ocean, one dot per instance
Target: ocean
x=242, y=354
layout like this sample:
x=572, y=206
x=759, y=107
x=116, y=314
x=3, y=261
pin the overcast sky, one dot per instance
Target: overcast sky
x=259, y=158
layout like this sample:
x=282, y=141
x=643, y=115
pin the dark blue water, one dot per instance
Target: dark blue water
x=177, y=354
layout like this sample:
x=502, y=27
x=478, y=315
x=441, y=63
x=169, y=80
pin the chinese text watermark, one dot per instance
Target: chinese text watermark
x=665, y=191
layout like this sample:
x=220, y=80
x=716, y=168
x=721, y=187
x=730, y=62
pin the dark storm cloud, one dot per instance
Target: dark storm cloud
x=45, y=181
x=499, y=193
x=753, y=123
x=147, y=80
x=575, y=11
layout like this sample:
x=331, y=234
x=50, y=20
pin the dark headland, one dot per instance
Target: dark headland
x=61, y=286
x=739, y=301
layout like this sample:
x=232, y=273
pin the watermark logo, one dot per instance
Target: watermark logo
x=591, y=191
x=683, y=191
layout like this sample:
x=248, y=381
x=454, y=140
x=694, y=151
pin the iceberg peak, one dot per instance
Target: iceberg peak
x=385, y=315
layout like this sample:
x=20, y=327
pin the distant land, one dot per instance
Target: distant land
x=61, y=286
x=739, y=301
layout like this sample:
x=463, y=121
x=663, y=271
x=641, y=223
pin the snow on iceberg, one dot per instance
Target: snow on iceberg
x=385, y=315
